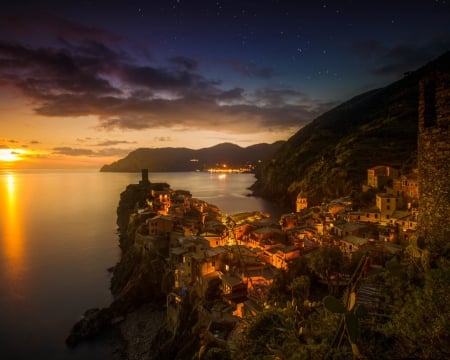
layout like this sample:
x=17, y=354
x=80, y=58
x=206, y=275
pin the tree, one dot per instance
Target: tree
x=328, y=263
x=300, y=287
x=421, y=327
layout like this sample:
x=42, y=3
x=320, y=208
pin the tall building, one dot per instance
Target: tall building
x=434, y=159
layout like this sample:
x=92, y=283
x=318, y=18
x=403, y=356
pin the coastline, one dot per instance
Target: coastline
x=136, y=318
x=143, y=320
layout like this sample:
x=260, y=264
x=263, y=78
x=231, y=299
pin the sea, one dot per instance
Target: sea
x=58, y=237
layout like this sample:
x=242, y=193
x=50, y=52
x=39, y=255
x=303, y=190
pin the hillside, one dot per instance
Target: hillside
x=181, y=159
x=329, y=157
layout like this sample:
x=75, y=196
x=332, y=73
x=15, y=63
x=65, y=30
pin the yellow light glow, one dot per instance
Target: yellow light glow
x=11, y=236
x=9, y=155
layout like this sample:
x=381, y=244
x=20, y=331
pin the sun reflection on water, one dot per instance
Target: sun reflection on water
x=12, y=237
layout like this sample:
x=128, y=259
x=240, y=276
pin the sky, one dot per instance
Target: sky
x=83, y=83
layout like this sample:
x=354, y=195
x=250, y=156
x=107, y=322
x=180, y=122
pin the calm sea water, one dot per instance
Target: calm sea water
x=57, y=240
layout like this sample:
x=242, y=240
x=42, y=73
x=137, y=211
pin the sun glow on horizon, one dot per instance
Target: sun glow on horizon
x=10, y=155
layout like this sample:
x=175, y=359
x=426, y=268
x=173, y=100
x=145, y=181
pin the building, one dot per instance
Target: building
x=406, y=187
x=378, y=176
x=433, y=159
x=387, y=204
x=302, y=202
x=366, y=215
x=160, y=224
x=347, y=229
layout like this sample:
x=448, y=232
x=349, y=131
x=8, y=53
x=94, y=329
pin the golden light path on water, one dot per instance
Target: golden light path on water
x=12, y=239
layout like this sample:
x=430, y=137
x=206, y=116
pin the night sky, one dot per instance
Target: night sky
x=82, y=83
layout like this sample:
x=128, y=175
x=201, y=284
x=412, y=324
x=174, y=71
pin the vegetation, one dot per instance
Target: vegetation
x=180, y=159
x=301, y=319
x=329, y=157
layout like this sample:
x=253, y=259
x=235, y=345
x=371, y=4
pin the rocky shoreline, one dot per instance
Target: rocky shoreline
x=140, y=283
x=136, y=312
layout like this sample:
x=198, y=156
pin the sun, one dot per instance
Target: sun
x=10, y=155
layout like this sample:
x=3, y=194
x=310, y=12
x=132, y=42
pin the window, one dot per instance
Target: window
x=388, y=207
x=388, y=200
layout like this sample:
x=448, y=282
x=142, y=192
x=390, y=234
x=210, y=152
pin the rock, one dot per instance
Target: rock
x=89, y=326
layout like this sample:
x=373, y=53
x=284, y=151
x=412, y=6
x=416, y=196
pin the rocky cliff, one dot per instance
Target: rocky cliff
x=137, y=279
x=141, y=280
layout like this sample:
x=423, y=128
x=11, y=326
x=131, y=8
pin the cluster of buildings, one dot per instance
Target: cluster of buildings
x=235, y=257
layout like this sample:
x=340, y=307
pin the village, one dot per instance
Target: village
x=235, y=257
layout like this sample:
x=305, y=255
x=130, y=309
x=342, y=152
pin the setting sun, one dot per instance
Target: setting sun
x=9, y=155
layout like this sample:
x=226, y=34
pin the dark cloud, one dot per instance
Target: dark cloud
x=43, y=72
x=280, y=97
x=162, y=138
x=233, y=94
x=69, y=151
x=86, y=75
x=53, y=26
x=34, y=142
x=114, y=142
x=72, y=151
x=185, y=62
x=251, y=69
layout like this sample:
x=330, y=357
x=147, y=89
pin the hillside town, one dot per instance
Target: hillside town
x=369, y=269
x=231, y=260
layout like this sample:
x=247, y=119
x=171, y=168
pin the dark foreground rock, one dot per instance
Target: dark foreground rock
x=93, y=322
x=137, y=286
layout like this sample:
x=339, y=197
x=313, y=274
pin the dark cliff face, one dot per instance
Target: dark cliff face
x=329, y=157
x=130, y=198
x=138, y=278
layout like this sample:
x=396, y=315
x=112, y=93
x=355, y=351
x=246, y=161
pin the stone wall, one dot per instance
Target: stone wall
x=434, y=159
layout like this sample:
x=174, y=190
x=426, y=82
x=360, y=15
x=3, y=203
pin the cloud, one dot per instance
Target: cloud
x=54, y=26
x=86, y=75
x=251, y=69
x=6, y=143
x=72, y=151
x=69, y=151
x=162, y=138
x=185, y=62
x=114, y=142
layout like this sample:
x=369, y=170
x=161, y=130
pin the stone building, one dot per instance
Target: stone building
x=434, y=159
x=378, y=176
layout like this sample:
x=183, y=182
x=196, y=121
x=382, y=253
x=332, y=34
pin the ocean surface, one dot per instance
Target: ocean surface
x=57, y=240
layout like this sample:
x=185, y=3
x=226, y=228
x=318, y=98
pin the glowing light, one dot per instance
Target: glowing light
x=12, y=236
x=9, y=155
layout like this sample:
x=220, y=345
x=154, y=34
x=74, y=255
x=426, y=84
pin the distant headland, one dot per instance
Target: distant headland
x=226, y=157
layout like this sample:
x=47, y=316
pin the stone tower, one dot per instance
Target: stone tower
x=144, y=179
x=434, y=159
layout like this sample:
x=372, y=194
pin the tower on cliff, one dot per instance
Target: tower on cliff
x=144, y=180
x=434, y=159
